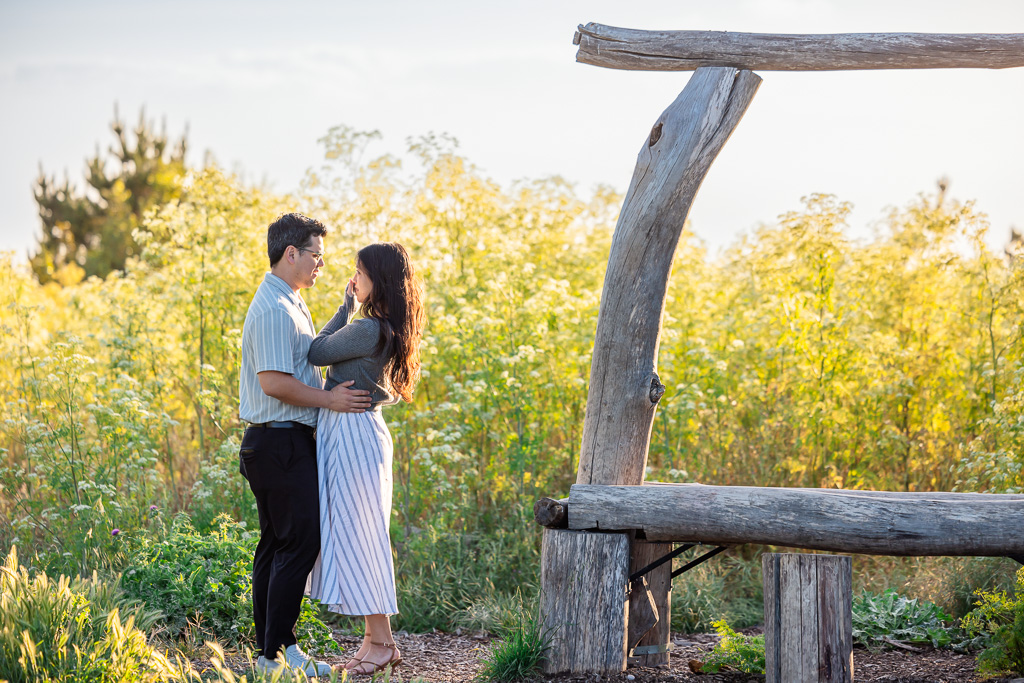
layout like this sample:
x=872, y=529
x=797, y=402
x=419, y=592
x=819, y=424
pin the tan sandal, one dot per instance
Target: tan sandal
x=356, y=661
x=393, y=662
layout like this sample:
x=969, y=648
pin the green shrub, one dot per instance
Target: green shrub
x=891, y=616
x=962, y=578
x=197, y=578
x=315, y=636
x=204, y=581
x=999, y=620
x=735, y=651
x=72, y=630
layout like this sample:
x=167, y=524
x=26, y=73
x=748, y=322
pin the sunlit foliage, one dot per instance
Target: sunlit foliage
x=800, y=357
x=88, y=230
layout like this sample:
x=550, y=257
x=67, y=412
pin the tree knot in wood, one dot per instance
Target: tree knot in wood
x=552, y=513
x=657, y=389
x=655, y=134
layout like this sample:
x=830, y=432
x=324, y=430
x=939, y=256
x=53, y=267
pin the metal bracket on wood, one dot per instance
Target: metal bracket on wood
x=693, y=563
x=660, y=561
x=1018, y=558
x=676, y=553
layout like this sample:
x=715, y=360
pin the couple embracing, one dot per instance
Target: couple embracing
x=317, y=455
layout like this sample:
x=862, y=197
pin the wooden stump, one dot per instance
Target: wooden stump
x=808, y=618
x=650, y=644
x=588, y=631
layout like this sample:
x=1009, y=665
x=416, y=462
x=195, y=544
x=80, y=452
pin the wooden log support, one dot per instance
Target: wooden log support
x=876, y=523
x=672, y=163
x=642, y=613
x=584, y=585
x=808, y=618
x=650, y=644
x=583, y=590
x=623, y=48
x=624, y=387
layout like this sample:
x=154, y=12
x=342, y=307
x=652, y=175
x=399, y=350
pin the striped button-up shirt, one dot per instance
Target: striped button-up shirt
x=276, y=336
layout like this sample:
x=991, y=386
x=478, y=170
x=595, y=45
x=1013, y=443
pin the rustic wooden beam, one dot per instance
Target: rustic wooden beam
x=909, y=495
x=637, y=50
x=672, y=163
x=820, y=519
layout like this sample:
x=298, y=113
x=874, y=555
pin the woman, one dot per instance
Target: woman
x=354, y=574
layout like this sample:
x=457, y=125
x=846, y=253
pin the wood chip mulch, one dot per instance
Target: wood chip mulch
x=456, y=658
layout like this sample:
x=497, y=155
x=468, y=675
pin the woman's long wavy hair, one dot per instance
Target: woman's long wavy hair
x=396, y=302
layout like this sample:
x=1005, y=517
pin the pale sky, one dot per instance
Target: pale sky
x=257, y=83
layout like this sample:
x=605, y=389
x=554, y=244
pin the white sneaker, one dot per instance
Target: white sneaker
x=297, y=659
x=267, y=666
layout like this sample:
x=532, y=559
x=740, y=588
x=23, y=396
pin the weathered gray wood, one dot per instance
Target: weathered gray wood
x=652, y=649
x=584, y=579
x=895, y=495
x=835, y=612
x=772, y=607
x=624, y=387
x=799, y=624
x=623, y=48
x=822, y=519
x=552, y=513
x=642, y=613
x=808, y=619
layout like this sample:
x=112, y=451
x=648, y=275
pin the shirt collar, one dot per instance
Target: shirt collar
x=279, y=284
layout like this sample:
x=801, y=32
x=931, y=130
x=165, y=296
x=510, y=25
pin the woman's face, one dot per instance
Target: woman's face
x=362, y=287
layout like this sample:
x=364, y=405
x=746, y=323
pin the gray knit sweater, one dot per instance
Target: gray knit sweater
x=348, y=347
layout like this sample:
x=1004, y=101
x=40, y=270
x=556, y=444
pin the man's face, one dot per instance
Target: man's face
x=309, y=262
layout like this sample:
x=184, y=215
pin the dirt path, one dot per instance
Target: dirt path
x=456, y=658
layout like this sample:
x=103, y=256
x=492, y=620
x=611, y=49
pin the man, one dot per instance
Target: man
x=280, y=393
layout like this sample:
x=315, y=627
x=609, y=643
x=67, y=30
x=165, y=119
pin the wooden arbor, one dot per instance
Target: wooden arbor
x=588, y=604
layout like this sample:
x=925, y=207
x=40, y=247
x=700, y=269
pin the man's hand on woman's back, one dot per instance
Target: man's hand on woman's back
x=344, y=399
x=341, y=399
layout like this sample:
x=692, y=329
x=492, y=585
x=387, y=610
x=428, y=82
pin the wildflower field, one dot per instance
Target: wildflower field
x=798, y=357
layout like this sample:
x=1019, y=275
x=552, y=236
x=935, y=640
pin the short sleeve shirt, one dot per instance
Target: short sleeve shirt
x=276, y=336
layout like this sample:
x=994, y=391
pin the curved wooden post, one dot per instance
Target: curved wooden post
x=624, y=386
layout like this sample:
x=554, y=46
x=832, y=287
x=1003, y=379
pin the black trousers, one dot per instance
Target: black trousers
x=280, y=465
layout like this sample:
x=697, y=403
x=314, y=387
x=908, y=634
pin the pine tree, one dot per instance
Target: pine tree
x=90, y=233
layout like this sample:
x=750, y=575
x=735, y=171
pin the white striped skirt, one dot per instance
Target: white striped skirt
x=355, y=573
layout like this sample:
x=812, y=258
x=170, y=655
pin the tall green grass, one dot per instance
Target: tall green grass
x=446, y=579
x=73, y=630
x=521, y=646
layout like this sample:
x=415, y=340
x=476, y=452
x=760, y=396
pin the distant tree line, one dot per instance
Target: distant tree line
x=89, y=231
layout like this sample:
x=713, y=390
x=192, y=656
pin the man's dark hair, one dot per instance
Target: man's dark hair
x=291, y=229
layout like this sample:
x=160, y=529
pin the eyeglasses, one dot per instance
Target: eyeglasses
x=318, y=255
